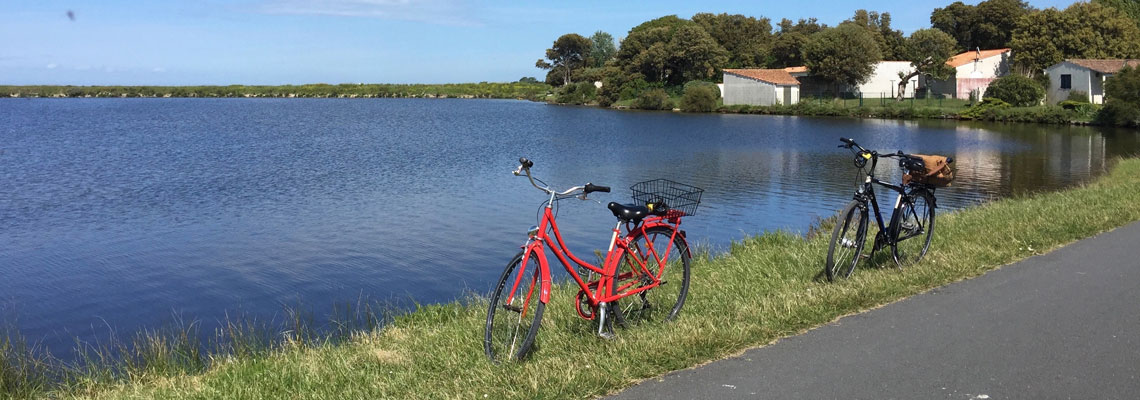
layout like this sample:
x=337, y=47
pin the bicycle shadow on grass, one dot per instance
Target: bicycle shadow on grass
x=882, y=260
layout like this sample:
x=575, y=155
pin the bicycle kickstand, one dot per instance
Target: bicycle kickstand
x=602, y=333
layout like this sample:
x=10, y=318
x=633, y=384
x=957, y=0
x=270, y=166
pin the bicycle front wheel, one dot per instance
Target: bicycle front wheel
x=846, y=241
x=667, y=260
x=912, y=227
x=515, y=311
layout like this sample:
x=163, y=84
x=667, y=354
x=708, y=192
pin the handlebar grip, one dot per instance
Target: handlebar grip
x=848, y=141
x=525, y=163
x=590, y=188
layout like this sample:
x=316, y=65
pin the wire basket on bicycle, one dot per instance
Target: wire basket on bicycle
x=666, y=194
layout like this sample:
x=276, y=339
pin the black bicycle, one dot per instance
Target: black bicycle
x=912, y=221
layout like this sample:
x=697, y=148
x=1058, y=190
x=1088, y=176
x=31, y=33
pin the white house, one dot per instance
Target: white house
x=1082, y=75
x=762, y=87
x=884, y=81
x=973, y=72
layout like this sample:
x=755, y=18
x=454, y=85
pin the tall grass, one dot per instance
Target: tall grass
x=764, y=288
x=177, y=348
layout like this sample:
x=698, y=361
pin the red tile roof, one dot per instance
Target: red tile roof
x=1105, y=66
x=793, y=70
x=970, y=56
x=773, y=76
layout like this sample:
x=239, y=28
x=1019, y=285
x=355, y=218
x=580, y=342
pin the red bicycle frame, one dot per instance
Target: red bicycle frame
x=608, y=270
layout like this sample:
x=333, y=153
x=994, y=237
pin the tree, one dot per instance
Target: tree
x=890, y=41
x=844, y=54
x=988, y=25
x=1129, y=7
x=1018, y=90
x=746, y=39
x=787, y=47
x=671, y=51
x=958, y=20
x=1083, y=30
x=569, y=52
x=693, y=55
x=927, y=50
x=603, y=48
x=1122, y=94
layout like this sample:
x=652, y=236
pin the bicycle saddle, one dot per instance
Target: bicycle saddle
x=628, y=212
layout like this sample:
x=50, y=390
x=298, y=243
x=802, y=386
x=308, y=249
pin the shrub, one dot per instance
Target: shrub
x=577, y=93
x=979, y=110
x=1122, y=92
x=1078, y=96
x=653, y=99
x=1017, y=90
x=699, y=97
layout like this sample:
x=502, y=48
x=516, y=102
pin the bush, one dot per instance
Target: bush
x=979, y=110
x=699, y=97
x=1016, y=90
x=577, y=93
x=653, y=99
x=1122, y=92
x=1078, y=96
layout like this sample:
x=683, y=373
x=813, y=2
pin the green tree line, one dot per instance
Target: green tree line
x=667, y=52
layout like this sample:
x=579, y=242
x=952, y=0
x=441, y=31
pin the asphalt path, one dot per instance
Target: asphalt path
x=1064, y=325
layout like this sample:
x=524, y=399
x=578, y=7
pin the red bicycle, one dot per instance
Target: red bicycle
x=648, y=263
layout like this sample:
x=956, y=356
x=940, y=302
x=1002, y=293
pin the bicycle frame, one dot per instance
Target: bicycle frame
x=601, y=295
x=866, y=194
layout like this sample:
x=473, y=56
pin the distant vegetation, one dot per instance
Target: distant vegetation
x=526, y=88
x=665, y=54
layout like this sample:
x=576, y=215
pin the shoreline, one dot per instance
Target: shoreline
x=765, y=288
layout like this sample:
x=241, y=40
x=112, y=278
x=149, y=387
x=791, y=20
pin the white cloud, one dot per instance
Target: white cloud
x=52, y=66
x=441, y=12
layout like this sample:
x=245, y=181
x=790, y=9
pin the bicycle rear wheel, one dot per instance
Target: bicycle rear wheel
x=847, y=241
x=515, y=311
x=912, y=227
x=667, y=259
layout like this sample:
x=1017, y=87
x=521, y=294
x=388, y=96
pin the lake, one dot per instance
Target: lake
x=116, y=214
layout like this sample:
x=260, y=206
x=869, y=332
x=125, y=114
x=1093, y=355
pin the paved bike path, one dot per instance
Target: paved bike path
x=1056, y=326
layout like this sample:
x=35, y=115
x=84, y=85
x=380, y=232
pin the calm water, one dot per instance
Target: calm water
x=116, y=213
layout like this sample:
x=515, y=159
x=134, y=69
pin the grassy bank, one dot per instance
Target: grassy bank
x=765, y=288
x=509, y=90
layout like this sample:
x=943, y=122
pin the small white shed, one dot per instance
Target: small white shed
x=1082, y=75
x=761, y=87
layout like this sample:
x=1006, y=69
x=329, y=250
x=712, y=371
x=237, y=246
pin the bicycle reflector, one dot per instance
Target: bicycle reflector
x=532, y=232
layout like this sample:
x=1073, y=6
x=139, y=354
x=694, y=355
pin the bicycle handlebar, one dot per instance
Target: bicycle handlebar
x=524, y=167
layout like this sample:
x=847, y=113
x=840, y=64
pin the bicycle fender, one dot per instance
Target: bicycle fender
x=544, y=271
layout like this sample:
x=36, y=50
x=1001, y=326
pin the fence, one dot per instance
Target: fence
x=856, y=99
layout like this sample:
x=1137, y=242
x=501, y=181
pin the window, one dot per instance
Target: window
x=1066, y=81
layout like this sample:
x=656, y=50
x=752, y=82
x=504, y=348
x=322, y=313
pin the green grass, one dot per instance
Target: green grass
x=766, y=287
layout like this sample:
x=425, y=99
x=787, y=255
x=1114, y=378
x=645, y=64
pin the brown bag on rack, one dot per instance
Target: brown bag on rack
x=938, y=172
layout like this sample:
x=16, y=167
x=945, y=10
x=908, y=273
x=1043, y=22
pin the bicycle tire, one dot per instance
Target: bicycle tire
x=912, y=219
x=843, y=237
x=501, y=338
x=640, y=308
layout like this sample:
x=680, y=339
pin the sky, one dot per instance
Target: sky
x=275, y=42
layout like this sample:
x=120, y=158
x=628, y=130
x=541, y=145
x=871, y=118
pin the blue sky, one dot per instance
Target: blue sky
x=208, y=42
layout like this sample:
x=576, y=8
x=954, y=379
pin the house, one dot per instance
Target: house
x=883, y=82
x=973, y=73
x=1083, y=76
x=761, y=87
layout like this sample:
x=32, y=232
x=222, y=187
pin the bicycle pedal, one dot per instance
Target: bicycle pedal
x=509, y=307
